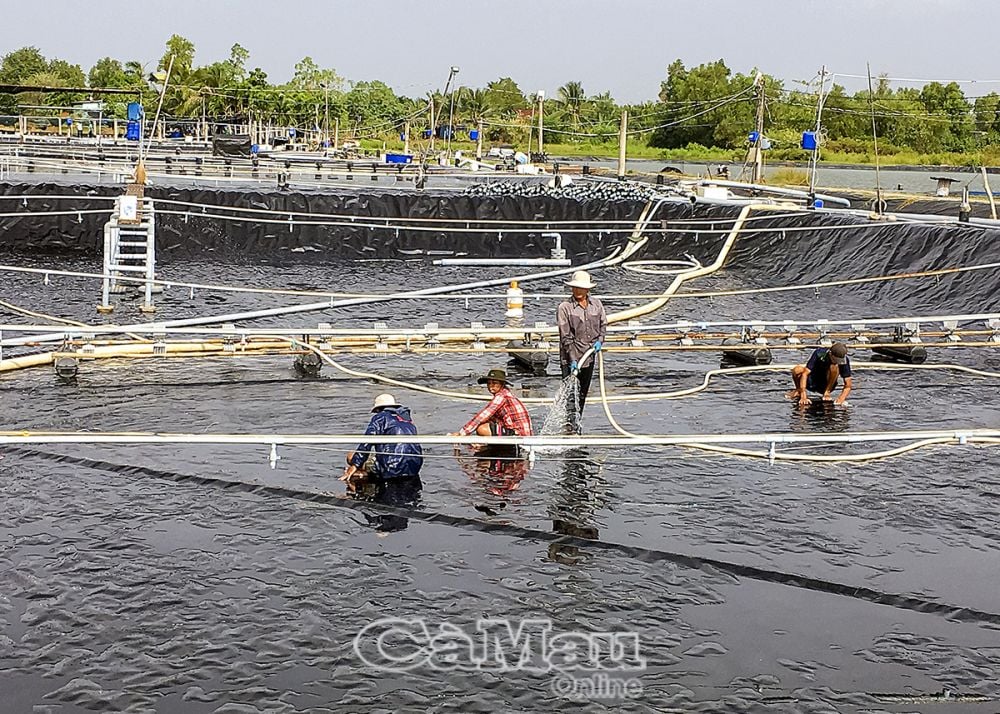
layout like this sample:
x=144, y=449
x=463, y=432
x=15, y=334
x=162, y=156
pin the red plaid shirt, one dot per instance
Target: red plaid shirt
x=504, y=408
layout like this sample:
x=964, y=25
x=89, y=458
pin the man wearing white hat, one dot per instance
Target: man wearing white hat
x=582, y=325
x=386, y=461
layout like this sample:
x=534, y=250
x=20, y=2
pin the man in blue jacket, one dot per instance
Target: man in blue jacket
x=386, y=461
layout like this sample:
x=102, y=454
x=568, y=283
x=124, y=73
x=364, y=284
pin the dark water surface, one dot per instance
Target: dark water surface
x=198, y=579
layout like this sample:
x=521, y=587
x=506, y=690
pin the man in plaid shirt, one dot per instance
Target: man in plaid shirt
x=505, y=415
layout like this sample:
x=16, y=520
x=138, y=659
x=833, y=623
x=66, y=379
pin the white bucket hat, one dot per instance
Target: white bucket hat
x=581, y=279
x=384, y=400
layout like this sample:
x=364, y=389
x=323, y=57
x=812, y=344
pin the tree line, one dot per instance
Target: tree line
x=703, y=107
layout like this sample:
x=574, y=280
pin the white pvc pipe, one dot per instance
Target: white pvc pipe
x=485, y=332
x=617, y=256
x=686, y=275
x=504, y=261
x=82, y=437
x=776, y=190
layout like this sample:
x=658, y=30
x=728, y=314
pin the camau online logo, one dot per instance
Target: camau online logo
x=587, y=665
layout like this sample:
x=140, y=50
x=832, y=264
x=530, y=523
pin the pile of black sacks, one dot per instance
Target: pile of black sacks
x=578, y=190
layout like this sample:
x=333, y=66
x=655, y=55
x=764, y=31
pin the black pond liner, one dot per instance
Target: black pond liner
x=716, y=552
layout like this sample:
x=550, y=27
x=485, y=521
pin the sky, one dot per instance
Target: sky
x=620, y=46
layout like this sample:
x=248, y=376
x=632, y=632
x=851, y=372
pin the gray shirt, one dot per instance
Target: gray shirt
x=579, y=329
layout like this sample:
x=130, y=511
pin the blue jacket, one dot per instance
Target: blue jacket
x=391, y=460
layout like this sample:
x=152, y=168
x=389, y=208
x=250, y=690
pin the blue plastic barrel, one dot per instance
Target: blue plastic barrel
x=809, y=142
x=134, y=111
x=474, y=135
x=132, y=131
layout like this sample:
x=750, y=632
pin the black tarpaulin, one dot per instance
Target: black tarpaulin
x=235, y=145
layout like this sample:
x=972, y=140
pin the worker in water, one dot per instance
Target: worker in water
x=386, y=461
x=505, y=415
x=820, y=374
x=582, y=325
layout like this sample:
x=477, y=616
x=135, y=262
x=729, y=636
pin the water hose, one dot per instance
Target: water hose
x=773, y=455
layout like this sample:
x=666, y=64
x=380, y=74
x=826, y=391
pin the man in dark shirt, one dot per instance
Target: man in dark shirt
x=820, y=374
x=583, y=324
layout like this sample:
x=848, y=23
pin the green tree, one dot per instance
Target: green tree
x=694, y=105
x=372, y=107
x=843, y=116
x=572, y=97
x=309, y=75
x=182, y=52
x=986, y=112
x=20, y=64
x=57, y=73
x=474, y=104
x=107, y=73
x=899, y=118
x=179, y=58
x=317, y=93
x=505, y=97
x=252, y=93
x=734, y=122
x=238, y=56
x=134, y=73
x=948, y=107
x=15, y=68
x=70, y=74
x=642, y=118
x=205, y=87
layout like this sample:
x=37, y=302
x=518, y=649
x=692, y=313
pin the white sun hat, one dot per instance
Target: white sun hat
x=384, y=400
x=581, y=279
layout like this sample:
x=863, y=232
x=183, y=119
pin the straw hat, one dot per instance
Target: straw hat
x=495, y=375
x=384, y=400
x=581, y=279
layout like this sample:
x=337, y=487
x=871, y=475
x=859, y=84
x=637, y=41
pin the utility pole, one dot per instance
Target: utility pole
x=814, y=159
x=622, y=138
x=541, y=106
x=479, y=140
x=336, y=132
x=531, y=129
x=878, y=175
x=326, y=114
x=406, y=138
x=433, y=128
x=758, y=161
x=451, y=111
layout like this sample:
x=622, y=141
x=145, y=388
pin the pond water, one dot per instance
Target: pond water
x=199, y=579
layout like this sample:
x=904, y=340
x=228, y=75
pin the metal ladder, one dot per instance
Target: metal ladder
x=129, y=250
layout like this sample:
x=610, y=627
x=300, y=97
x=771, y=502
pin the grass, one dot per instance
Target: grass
x=789, y=177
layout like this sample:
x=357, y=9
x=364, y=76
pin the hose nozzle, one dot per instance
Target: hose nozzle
x=583, y=358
